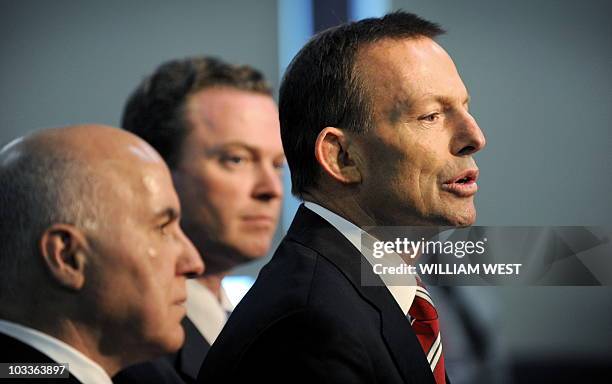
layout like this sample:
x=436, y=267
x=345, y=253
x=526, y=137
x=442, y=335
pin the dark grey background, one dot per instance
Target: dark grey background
x=74, y=61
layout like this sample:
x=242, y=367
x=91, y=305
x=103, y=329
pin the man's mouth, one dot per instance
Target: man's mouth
x=462, y=184
x=259, y=221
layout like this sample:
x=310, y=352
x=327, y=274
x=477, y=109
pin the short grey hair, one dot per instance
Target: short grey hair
x=39, y=186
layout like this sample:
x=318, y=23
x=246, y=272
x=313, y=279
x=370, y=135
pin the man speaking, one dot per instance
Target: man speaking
x=376, y=131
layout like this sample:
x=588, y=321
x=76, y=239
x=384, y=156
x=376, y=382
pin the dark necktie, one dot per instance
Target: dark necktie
x=424, y=321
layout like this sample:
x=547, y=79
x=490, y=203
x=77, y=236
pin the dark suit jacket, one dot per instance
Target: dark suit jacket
x=308, y=319
x=176, y=368
x=14, y=351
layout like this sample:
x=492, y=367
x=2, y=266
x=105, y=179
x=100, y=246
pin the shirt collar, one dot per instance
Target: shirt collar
x=403, y=294
x=79, y=365
x=205, y=311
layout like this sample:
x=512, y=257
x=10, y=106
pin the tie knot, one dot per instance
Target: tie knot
x=422, y=306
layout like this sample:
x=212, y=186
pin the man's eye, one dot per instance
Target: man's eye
x=234, y=160
x=431, y=117
x=165, y=228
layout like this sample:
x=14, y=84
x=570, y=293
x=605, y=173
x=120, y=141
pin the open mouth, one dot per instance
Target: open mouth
x=465, y=180
x=462, y=185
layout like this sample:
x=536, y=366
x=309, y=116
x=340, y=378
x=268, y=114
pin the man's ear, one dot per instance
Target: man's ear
x=335, y=155
x=64, y=250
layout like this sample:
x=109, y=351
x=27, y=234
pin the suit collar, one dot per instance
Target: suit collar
x=312, y=231
x=403, y=294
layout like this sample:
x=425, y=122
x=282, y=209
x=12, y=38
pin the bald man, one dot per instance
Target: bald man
x=92, y=258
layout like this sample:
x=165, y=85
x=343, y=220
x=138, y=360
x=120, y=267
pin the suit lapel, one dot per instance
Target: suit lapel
x=314, y=232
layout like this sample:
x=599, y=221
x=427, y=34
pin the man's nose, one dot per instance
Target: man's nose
x=190, y=263
x=268, y=183
x=468, y=137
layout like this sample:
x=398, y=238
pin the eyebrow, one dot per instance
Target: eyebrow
x=234, y=144
x=238, y=144
x=170, y=213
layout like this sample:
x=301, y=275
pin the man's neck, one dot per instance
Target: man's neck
x=346, y=207
x=213, y=283
x=88, y=342
x=349, y=208
x=76, y=335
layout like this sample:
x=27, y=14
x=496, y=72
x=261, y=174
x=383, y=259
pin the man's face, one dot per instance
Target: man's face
x=141, y=258
x=229, y=176
x=418, y=167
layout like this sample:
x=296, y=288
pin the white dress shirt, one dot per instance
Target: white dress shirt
x=205, y=311
x=403, y=294
x=80, y=366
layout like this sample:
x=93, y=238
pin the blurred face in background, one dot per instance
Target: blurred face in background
x=229, y=176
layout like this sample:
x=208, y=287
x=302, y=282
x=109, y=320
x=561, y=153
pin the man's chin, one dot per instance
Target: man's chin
x=463, y=219
x=456, y=215
x=169, y=342
x=176, y=342
x=254, y=251
x=225, y=257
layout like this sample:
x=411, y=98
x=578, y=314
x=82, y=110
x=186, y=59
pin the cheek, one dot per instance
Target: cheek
x=208, y=195
x=416, y=177
x=427, y=162
x=214, y=183
x=226, y=197
x=158, y=279
x=225, y=187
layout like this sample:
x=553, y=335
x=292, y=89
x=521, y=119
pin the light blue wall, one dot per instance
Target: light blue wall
x=361, y=9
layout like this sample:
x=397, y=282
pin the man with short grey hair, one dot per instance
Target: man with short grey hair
x=92, y=257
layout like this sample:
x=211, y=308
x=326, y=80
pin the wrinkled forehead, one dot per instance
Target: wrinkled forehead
x=391, y=70
x=389, y=58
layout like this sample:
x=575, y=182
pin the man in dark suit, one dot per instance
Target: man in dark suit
x=216, y=125
x=376, y=130
x=92, y=257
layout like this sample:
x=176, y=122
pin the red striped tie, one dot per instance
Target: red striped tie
x=424, y=320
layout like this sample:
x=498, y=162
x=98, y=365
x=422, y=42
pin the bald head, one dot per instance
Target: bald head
x=56, y=176
x=91, y=250
x=85, y=144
